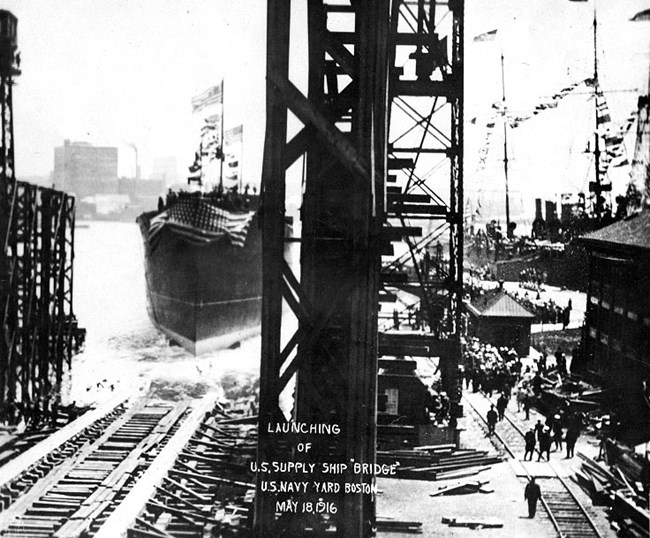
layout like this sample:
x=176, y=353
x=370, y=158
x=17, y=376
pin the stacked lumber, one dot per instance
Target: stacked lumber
x=619, y=486
x=401, y=526
x=436, y=462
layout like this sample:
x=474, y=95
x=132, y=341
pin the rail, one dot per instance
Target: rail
x=560, y=508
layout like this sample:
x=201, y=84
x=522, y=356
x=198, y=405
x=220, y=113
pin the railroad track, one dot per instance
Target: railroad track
x=72, y=490
x=567, y=514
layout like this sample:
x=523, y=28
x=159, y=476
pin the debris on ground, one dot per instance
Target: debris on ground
x=463, y=488
x=473, y=523
x=621, y=483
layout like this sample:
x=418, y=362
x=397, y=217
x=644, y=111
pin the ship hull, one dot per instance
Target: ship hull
x=203, y=297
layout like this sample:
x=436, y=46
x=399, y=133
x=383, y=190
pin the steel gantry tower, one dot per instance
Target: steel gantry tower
x=330, y=142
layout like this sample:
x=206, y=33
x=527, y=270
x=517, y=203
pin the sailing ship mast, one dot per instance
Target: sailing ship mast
x=505, y=145
x=597, y=187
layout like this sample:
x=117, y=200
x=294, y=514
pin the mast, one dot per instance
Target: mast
x=598, y=207
x=598, y=187
x=222, y=139
x=505, y=145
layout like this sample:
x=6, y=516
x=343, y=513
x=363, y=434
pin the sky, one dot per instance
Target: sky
x=121, y=72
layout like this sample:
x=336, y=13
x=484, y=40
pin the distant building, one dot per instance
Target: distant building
x=85, y=170
x=165, y=169
x=616, y=340
x=497, y=318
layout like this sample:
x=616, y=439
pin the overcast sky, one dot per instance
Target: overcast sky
x=114, y=72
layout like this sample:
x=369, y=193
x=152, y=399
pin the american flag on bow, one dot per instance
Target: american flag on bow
x=199, y=223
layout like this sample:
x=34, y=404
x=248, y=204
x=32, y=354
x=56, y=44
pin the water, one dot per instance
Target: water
x=123, y=350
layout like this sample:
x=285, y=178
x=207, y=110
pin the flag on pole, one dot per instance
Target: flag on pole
x=233, y=154
x=213, y=95
x=487, y=36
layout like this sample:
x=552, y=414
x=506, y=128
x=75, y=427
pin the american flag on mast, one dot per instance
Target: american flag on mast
x=208, y=108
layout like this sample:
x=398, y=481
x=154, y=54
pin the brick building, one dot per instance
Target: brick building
x=616, y=339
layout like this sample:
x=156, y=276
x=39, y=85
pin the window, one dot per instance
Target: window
x=392, y=399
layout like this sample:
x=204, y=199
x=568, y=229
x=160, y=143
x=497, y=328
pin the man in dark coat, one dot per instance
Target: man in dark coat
x=530, y=444
x=491, y=420
x=545, y=444
x=572, y=435
x=502, y=403
x=532, y=494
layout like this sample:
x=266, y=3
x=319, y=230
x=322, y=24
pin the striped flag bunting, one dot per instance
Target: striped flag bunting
x=211, y=96
x=199, y=222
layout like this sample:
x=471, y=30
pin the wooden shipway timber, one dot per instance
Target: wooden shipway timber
x=184, y=462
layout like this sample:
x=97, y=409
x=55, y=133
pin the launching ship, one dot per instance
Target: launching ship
x=203, y=249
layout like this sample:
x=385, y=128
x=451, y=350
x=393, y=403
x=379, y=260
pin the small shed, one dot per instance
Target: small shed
x=499, y=319
x=403, y=395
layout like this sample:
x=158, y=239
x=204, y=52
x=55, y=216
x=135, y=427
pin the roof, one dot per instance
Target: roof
x=633, y=231
x=498, y=304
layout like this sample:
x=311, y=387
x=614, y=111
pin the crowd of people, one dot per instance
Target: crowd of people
x=531, y=278
x=493, y=370
x=546, y=311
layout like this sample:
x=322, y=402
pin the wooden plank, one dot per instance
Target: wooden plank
x=396, y=233
x=336, y=141
x=418, y=209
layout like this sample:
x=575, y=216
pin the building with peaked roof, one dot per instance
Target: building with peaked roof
x=616, y=338
x=499, y=319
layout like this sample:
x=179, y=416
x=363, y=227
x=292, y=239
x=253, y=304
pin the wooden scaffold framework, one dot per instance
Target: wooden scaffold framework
x=425, y=183
x=39, y=330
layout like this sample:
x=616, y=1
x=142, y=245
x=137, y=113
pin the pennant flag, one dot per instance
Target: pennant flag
x=487, y=36
x=602, y=110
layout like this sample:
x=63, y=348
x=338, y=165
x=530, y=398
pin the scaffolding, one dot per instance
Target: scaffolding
x=320, y=322
x=425, y=184
x=39, y=329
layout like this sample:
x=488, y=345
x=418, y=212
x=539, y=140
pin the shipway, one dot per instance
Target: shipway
x=282, y=485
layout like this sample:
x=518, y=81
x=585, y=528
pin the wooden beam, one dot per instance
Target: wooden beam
x=336, y=141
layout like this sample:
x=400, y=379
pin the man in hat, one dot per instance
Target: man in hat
x=530, y=444
x=532, y=494
x=491, y=420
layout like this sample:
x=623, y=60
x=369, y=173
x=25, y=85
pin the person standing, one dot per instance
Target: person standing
x=491, y=420
x=532, y=494
x=545, y=444
x=572, y=435
x=527, y=405
x=530, y=444
x=557, y=432
x=502, y=403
